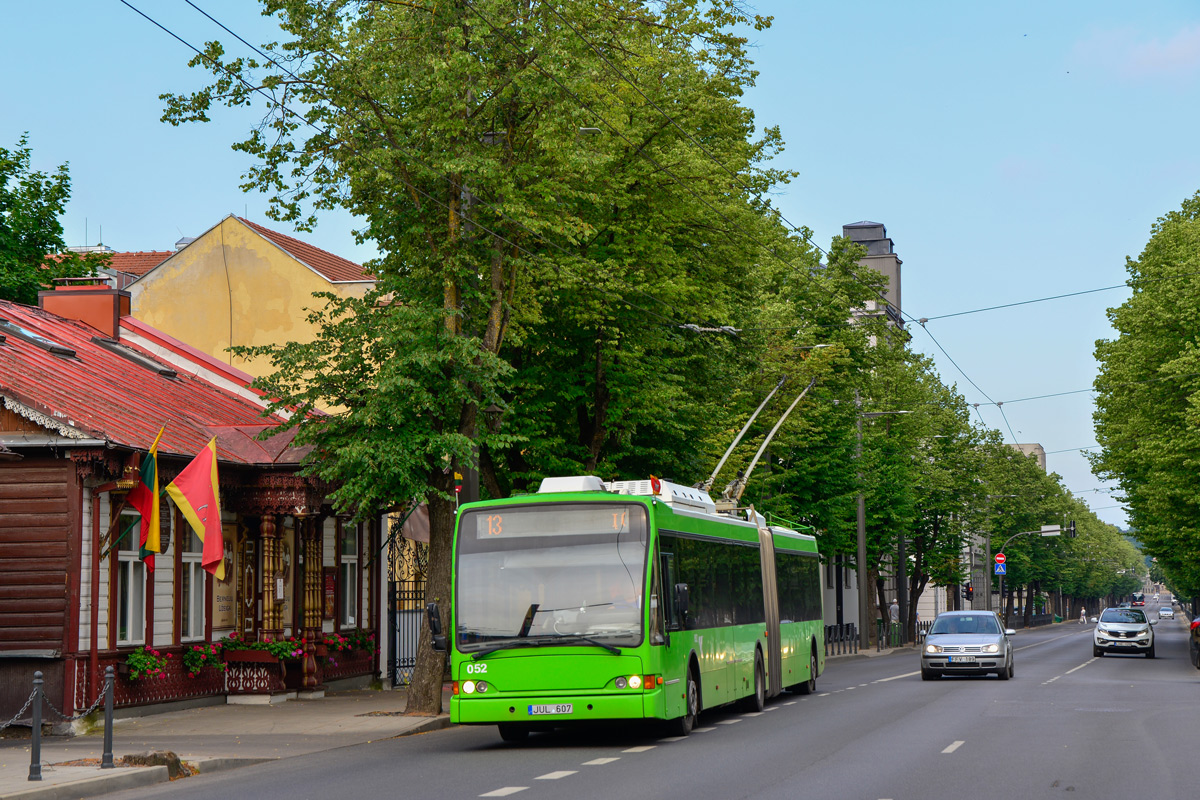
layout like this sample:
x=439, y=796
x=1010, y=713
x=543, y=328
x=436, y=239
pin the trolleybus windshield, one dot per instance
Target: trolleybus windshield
x=551, y=574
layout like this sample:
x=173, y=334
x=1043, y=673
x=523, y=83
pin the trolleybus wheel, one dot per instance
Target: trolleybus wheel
x=810, y=685
x=682, y=726
x=757, y=700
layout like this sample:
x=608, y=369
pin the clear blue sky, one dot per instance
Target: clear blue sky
x=1014, y=151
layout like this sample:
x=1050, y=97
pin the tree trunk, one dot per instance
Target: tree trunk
x=425, y=691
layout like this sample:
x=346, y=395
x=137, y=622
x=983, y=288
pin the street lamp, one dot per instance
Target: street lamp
x=864, y=596
x=1045, y=530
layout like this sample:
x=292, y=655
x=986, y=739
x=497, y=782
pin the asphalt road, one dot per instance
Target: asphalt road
x=1067, y=725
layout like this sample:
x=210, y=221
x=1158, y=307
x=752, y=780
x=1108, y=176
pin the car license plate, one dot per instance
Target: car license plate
x=962, y=659
x=556, y=708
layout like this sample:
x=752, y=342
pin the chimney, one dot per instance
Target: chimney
x=99, y=305
x=184, y=242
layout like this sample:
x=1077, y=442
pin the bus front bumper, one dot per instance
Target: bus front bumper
x=556, y=708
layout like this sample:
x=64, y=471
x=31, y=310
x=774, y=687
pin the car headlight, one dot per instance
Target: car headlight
x=933, y=648
x=992, y=648
x=1102, y=629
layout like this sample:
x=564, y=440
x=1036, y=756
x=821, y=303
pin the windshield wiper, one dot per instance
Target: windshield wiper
x=579, y=637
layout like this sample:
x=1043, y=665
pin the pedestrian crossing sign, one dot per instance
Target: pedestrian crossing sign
x=1000, y=569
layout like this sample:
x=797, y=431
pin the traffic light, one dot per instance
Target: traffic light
x=968, y=592
x=1071, y=530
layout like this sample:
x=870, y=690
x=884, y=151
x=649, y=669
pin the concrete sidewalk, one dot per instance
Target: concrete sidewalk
x=209, y=738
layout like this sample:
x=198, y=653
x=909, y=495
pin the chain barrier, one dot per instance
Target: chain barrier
x=81, y=714
x=24, y=708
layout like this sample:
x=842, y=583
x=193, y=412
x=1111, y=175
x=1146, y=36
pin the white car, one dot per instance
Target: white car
x=1124, y=630
x=1166, y=612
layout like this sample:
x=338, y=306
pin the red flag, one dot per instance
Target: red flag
x=196, y=493
x=144, y=497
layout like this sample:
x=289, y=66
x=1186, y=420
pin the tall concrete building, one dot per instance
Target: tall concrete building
x=881, y=257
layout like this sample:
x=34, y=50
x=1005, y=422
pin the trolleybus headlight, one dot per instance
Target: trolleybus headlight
x=635, y=681
x=620, y=682
x=481, y=687
x=468, y=687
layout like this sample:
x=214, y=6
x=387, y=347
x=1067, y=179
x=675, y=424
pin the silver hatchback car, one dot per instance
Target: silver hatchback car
x=967, y=643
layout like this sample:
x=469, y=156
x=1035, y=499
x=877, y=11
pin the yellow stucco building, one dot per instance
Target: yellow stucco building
x=239, y=283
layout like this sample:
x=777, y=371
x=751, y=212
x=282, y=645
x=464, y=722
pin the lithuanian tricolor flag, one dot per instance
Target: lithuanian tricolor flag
x=196, y=494
x=144, y=497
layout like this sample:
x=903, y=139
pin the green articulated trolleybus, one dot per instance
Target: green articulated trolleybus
x=632, y=600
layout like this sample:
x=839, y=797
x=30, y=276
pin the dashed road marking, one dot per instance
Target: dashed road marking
x=790, y=703
x=951, y=748
x=504, y=791
x=897, y=677
x=772, y=708
x=553, y=776
x=599, y=762
x=753, y=714
x=728, y=721
x=640, y=748
x=681, y=738
x=694, y=730
x=1055, y=639
x=824, y=694
x=1068, y=672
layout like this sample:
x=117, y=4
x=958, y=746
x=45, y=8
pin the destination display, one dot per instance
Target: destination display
x=591, y=520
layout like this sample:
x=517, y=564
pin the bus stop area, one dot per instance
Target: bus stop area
x=206, y=739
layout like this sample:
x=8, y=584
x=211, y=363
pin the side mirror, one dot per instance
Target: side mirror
x=1153, y=622
x=1009, y=632
x=681, y=599
x=434, y=616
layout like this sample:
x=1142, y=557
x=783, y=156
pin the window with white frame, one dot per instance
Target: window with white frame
x=191, y=577
x=349, y=577
x=130, y=583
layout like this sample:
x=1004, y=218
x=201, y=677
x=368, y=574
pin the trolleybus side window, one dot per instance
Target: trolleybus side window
x=724, y=580
x=799, y=580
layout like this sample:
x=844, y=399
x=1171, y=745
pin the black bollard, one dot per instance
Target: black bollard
x=106, y=760
x=35, y=760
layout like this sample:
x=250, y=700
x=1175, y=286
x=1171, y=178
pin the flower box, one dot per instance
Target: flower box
x=249, y=657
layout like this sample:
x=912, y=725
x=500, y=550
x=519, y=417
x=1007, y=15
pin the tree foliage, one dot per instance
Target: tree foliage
x=31, y=203
x=1148, y=396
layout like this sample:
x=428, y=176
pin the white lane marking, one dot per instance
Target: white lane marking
x=753, y=714
x=504, y=791
x=599, y=762
x=864, y=684
x=897, y=677
x=1055, y=639
x=553, y=776
x=772, y=708
x=1068, y=672
x=728, y=721
x=790, y=703
x=694, y=730
x=824, y=694
x=850, y=688
x=640, y=748
x=681, y=738
x=951, y=748
x=1081, y=666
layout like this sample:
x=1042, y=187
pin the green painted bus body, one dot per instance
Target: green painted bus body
x=586, y=676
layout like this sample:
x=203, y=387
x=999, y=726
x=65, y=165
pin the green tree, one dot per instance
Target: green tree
x=31, y=203
x=459, y=133
x=1148, y=396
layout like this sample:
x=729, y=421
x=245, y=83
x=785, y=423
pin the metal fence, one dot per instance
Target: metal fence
x=406, y=601
x=37, y=699
x=841, y=639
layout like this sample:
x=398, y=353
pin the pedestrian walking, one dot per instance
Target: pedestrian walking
x=1083, y=616
x=894, y=612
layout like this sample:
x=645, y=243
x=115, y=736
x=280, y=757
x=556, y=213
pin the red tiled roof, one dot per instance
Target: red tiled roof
x=335, y=268
x=106, y=396
x=141, y=262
